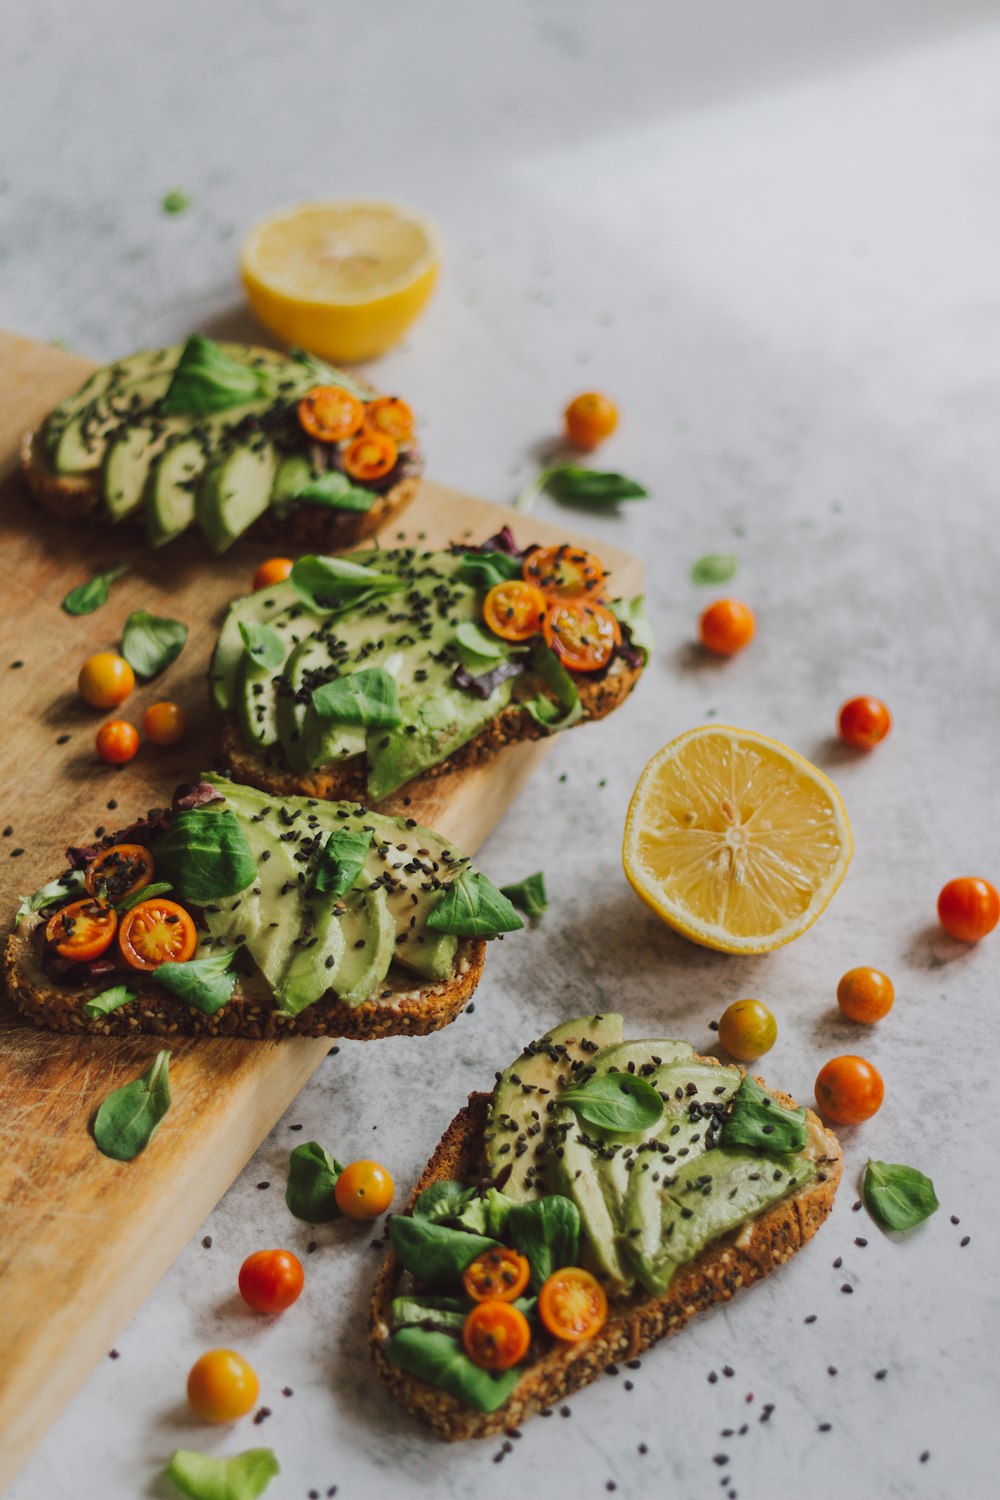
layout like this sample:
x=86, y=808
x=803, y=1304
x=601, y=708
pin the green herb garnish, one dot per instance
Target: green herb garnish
x=714, y=567
x=632, y=614
x=176, y=201
x=615, y=1101
x=109, y=1000
x=263, y=644
x=572, y=484
x=437, y=1358
x=151, y=642
x=312, y=1177
x=758, y=1121
x=897, y=1196
x=158, y=888
x=547, y=1231
x=202, y=1476
x=341, y=860
x=443, y=1200
x=434, y=1253
x=205, y=983
x=482, y=570
x=60, y=889
x=335, y=491
x=567, y=709
x=205, y=855
x=477, y=648
x=528, y=895
x=87, y=597
x=369, y=698
x=126, y=1122
x=473, y=907
x=329, y=584
x=207, y=380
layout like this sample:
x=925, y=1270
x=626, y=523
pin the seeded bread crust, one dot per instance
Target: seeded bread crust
x=637, y=1322
x=513, y=725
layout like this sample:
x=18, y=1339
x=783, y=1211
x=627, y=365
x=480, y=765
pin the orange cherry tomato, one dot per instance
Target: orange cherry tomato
x=863, y=722
x=370, y=456
x=330, y=414
x=117, y=741
x=583, y=636
x=969, y=908
x=275, y=570
x=271, y=1280
x=105, y=680
x=363, y=1190
x=83, y=930
x=514, y=610
x=590, y=418
x=392, y=416
x=222, y=1386
x=496, y=1335
x=849, y=1090
x=156, y=932
x=565, y=572
x=164, y=723
x=118, y=871
x=500, y=1273
x=572, y=1304
x=865, y=995
x=727, y=626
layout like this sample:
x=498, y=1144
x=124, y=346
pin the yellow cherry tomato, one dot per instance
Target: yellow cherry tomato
x=164, y=723
x=222, y=1386
x=105, y=680
x=590, y=418
x=364, y=1190
x=747, y=1030
x=275, y=570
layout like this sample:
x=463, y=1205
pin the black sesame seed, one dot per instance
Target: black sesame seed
x=825, y=1426
x=881, y=1374
x=810, y=1319
x=16, y=853
x=62, y=739
x=838, y=1263
x=207, y=1242
x=113, y=1354
x=262, y=1185
x=954, y=1218
x=847, y=1287
x=831, y=1369
x=966, y=1238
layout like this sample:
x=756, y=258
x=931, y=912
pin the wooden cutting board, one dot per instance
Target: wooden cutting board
x=84, y=1239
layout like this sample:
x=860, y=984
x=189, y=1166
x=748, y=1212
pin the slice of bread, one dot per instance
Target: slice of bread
x=634, y=1323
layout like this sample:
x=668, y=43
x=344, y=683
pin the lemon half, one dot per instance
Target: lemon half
x=344, y=280
x=734, y=840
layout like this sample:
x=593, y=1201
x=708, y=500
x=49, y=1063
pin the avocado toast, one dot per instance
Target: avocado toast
x=626, y=1233
x=231, y=438
x=360, y=673
x=234, y=913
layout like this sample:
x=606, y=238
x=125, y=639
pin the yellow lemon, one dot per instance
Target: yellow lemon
x=734, y=840
x=344, y=280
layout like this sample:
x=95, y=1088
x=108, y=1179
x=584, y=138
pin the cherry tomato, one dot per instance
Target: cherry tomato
x=515, y=610
x=271, y=1280
x=222, y=1386
x=118, y=871
x=330, y=414
x=572, y=1304
x=590, y=418
x=727, y=626
x=105, y=680
x=390, y=415
x=583, y=636
x=969, y=908
x=849, y=1090
x=117, y=741
x=83, y=930
x=863, y=722
x=363, y=1190
x=164, y=723
x=501, y=1273
x=370, y=456
x=496, y=1335
x=156, y=932
x=747, y=1030
x=275, y=570
x=565, y=572
x=865, y=995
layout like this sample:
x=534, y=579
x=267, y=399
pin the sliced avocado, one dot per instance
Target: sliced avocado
x=325, y=744
x=514, y=1131
x=263, y=607
x=115, y=377
x=235, y=489
x=170, y=489
x=308, y=976
x=84, y=440
x=369, y=943
x=127, y=462
x=293, y=474
x=256, y=705
x=312, y=655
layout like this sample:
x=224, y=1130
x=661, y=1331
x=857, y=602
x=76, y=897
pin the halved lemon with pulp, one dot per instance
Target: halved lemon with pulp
x=344, y=280
x=734, y=840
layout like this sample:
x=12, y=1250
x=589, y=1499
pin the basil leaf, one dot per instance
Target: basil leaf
x=369, y=698
x=205, y=855
x=441, y=1312
x=263, y=644
x=205, y=983
x=714, y=567
x=158, y=888
x=109, y=1000
x=60, y=889
x=207, y=380
x=126, y=1122
x=87, y=597
x=572, y=484
x=897, y=1196
x=528, y=895
x=546, y=663
x=341, y=860
x=335, y=491
x=487, y=1214
x=473, y=907
x=482, y=570
x=320, y=373
x=435, y=1254
x=437, y=1358
x=151, y=642
x=177, y=201
x=615, y=1101
x=480, y=647
x=442, y=1200
x=328, y=584
x=312, y=1177
x=547, y=1231
x=631, y=613
x=202, y=1476
x=757, y=1120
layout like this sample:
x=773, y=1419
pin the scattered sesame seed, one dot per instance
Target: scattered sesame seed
x=838, y=1263
x=861, y=1241
x=965, y=1240
x=62, y=739
x=286, y=1390
x=847, y=1287
x=825, y=1426
x=629, y=1385
x=881, y=1374
x=312, y=1245
x=15, y=664
x=113, y=1354
x=262, y=1185
x=643, y=1448
x=728, y=1370
x=261, y=1416
x=712, y=1377
x=720, y=1459
x=925, y=1455
x=831, y=1369
x=811, y=1318
x=955, y=1219
x=207, y=1242
x=10, y=829
x=713, y=1025
x=16, y=853
x=564, y=1411
x=855, y=1206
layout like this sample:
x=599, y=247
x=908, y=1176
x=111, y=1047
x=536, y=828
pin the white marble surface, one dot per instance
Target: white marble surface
x=773, y=232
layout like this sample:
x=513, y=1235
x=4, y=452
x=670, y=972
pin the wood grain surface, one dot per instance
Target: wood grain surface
x=83, y=1239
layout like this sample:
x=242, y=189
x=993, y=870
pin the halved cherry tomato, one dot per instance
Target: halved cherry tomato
x=583, y=636
x=330, y=414
x=501, y=1273
x=514, y=610
x=572, y=1304
x=156, y=932
x=274, y=570
x=370, y=456
x=390, y=415
x=83, y=930
x=117, y=741
x=271, y=1280
x=118, y=871
x=496, y=1335
x=565, y=572
x=590, y=418
x=363, y=1190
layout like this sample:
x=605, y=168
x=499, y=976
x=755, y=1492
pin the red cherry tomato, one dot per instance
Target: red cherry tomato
x=727, y=626
x=969, y=908
x=117, y=741
x=849, y=1090
x=271, y=1280
x=865, y=995
x=863, y=722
